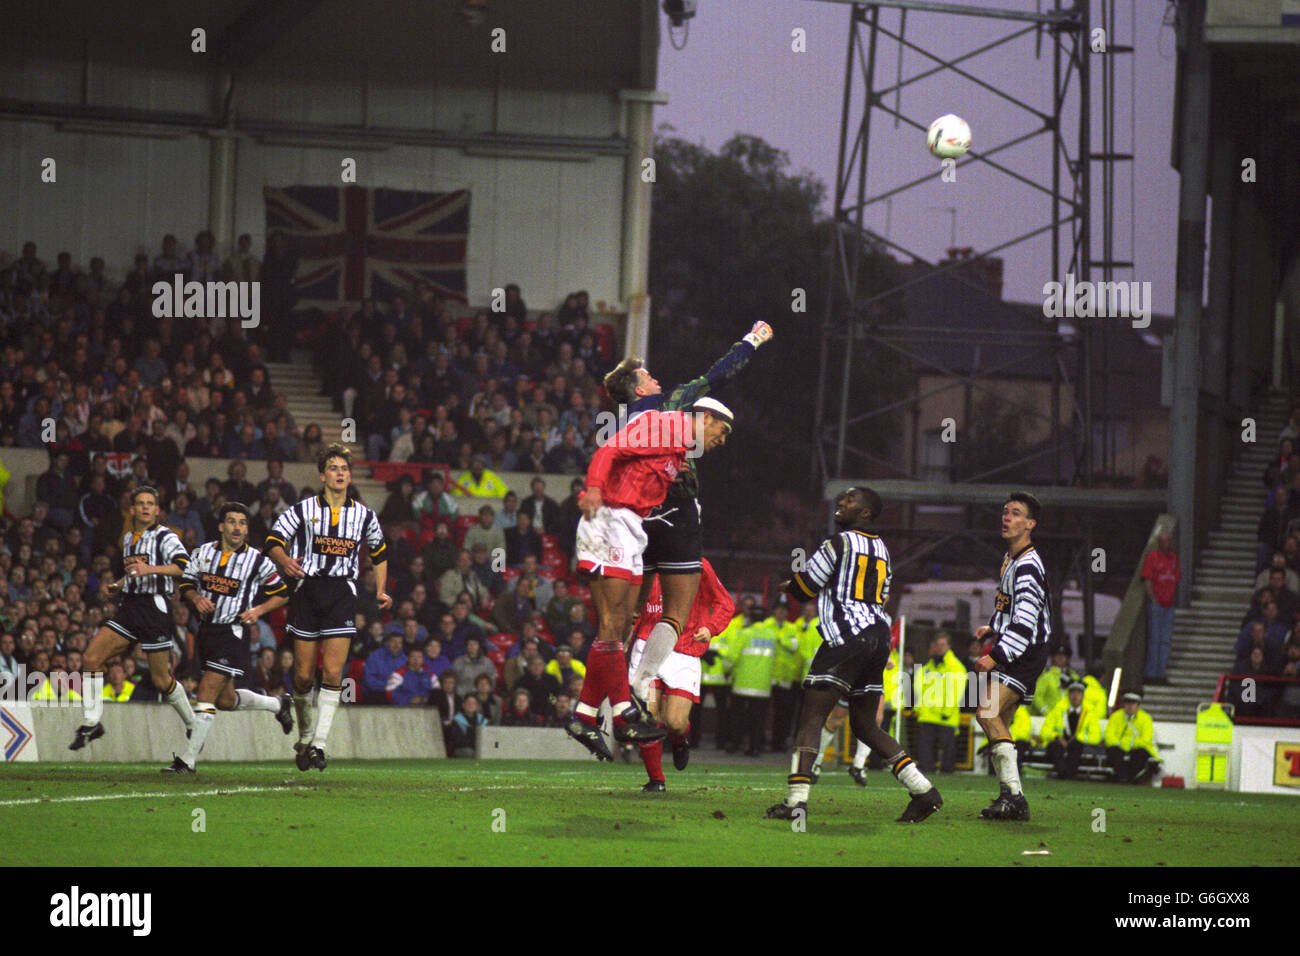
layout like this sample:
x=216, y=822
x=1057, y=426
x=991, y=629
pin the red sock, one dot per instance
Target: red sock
x=616, y=688
x=604, y=663
x=652, y=757
x=593, y=687
x=678, y=738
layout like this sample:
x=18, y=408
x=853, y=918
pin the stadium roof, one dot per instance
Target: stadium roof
x=563, y=43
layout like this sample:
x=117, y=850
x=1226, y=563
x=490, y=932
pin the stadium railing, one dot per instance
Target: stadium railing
x=1229, y=690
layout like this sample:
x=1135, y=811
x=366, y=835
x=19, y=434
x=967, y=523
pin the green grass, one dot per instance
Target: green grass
x=418, y=812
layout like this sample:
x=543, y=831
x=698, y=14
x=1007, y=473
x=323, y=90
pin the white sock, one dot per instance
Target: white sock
x=181, y=702
x=304, y=706
x=328, y=702
x=798, y=794
x=910, y=774
x=204, y=715
x=860, y=755
x=1004, y=759
x=662, y=639
x=827, y=737
x=247, y=700
x=92, y=698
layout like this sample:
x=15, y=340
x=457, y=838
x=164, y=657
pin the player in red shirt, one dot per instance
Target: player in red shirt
x=627, y=477
x=676, y=684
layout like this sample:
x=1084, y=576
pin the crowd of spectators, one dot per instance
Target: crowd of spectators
x=488, y=622
x=1268, y=645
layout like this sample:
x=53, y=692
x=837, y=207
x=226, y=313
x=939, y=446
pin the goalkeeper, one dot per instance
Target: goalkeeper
x=674, y=540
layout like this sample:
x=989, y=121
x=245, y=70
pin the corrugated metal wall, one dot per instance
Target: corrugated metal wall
x=550, y=225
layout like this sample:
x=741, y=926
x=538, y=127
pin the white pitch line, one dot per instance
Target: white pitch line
x=129, y=796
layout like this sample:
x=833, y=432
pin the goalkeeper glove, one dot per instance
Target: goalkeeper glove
x=759, y=334
x=709, y=657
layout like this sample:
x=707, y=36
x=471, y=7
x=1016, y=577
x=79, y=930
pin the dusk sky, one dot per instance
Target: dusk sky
x=738, y=73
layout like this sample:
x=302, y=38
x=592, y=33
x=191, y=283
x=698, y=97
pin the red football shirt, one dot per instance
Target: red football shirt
x=1162, y=571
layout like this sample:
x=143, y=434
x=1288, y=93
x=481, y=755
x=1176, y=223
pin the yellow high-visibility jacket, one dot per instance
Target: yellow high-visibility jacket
x=1022, y=728
x=1089, y=730
x=1126, y=733
x=942, y=688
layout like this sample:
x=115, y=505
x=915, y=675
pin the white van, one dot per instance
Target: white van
x=962, y=606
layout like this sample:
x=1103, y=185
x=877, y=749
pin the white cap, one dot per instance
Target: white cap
x=715, y=408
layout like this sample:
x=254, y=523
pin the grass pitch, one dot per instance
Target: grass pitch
x=555, y=813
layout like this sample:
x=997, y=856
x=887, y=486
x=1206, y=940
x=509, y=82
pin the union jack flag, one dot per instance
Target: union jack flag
x=354, y=242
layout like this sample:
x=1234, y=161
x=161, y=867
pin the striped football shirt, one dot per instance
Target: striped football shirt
x=155, y=546
x=1022, y=616
x=327, y=541
x=230, y=579
x=849, y=574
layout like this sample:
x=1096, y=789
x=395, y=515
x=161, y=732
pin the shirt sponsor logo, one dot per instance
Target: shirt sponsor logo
x=329, y=545
x=1002, y=602
x=219, y=583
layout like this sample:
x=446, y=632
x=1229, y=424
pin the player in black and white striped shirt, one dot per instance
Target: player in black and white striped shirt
x=221, y=581
x=318, y=543
x=151, y=556
x=849, y=576
x=1020, y=630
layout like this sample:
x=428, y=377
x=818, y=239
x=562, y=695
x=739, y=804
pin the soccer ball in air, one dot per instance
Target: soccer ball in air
x=948, y=137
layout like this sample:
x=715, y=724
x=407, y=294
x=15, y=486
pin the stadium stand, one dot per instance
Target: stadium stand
x=118, y=396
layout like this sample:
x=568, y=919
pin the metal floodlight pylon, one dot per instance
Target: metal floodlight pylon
x=1067, y=27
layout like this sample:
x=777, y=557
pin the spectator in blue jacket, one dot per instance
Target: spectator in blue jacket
x=380, y=665
x=463, y=727
x=434, y=658
x=1270, y=629
x=411, y=684
x=184, y=517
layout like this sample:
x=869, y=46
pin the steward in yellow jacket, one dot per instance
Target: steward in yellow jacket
x=1068, y=728
x=1051, y=684
x=940, y=688
x=1131, y=742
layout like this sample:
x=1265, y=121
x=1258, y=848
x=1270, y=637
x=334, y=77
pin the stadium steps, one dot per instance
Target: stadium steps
x=301, y=386
x=1223, y=584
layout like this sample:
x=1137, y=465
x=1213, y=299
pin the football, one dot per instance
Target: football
x=948, y=137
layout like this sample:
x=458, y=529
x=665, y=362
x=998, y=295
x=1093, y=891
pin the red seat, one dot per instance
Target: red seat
x=549, y=573
x=550, y=542
x=581, y=592
x=554, y=560
x=511, y=573
x=498, y=658
x=463, y=524
x=464, y=324
x=356, y=674
x=503, y=640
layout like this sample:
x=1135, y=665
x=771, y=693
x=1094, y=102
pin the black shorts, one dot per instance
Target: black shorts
x=141, y=620
x=322, y=608
x=675, y=542
x=854, y=668
x=1022, y=674
x=224, y=648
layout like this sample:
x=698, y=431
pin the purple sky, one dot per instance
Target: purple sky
x=737, y=73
